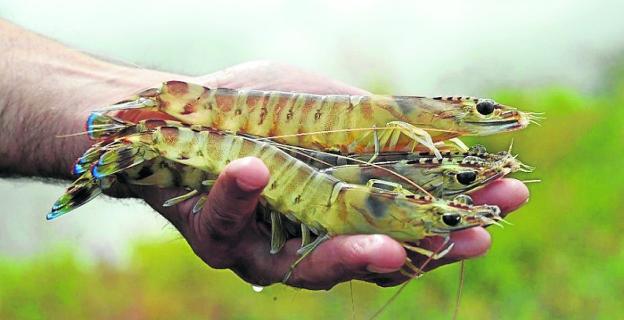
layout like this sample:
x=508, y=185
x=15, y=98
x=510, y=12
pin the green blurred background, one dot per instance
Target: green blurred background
x=562, y=258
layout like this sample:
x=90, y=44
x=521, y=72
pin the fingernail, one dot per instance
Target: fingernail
x=376, y=269
x=245, y=185
x=246, y=180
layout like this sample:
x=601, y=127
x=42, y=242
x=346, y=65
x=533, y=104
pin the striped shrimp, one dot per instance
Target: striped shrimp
x=323, y=204
x=456, y=173
x=358, y=124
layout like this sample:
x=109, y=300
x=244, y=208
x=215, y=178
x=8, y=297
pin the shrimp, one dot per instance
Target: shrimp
x=458, y=172
x=337, y=123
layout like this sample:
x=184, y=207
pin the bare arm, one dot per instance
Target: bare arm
x=46, y=90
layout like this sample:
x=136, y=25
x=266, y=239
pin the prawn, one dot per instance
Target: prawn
x=456, y=173
x=338, y=123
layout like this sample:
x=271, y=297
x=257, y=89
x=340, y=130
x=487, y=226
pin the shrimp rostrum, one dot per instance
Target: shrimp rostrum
x=338, y=123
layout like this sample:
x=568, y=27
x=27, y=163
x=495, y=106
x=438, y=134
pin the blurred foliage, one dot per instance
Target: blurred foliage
x=563, y=256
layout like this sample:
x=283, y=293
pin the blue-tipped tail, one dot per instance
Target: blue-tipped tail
x=80, y=192
x=101, y=126
x=117, y=159
x=90, y=156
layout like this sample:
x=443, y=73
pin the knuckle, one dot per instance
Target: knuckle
x=353, y=255
x=354, y=250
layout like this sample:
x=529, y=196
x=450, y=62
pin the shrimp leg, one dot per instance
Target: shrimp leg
x=304, y=252
x=418, y=135
x=460, y=145
x=429, y=253
x=306, y=239
x=199, y=204
x=278, y=237
x=377, y=146
x=411, y=267
x=173, y=201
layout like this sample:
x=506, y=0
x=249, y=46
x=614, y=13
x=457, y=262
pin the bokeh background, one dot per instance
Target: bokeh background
x=563, y=256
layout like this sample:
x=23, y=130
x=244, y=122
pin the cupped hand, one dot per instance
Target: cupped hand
x=226, y=233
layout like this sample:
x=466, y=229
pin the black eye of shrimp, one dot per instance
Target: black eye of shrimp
x=485, y=107
x=466, y=177
x=451, y=219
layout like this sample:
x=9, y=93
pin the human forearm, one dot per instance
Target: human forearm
x=47, y=90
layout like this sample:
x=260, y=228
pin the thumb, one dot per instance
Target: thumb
x=233, y=198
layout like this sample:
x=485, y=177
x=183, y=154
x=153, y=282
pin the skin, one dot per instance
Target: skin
x=47, y=84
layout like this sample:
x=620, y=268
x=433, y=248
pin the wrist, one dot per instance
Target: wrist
x=39, y=109
x=47, y=90
x=99, y=89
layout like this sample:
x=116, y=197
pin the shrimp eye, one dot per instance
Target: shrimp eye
x=485, y=107
x=451, y=219
x=466, y=177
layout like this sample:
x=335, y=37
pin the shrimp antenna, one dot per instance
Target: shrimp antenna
x=525, y=168
x=302, y=153
x=404, y=285
x=531, y=181
x=352, y=302
x=132, y=104
x=460, y=287
x=69, y=135
x=390, y=300
x=348, y=130
x=534, y=117
x=82, y=133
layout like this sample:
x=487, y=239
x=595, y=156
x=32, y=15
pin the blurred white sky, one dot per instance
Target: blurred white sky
x=417, y=47
x=420, y=47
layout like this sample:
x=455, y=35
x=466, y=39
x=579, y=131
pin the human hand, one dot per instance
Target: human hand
x=226, y=234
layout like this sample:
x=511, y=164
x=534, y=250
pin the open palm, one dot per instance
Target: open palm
x=226, y=234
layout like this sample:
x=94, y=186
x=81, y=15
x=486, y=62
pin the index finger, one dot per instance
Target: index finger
x=508, y=194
